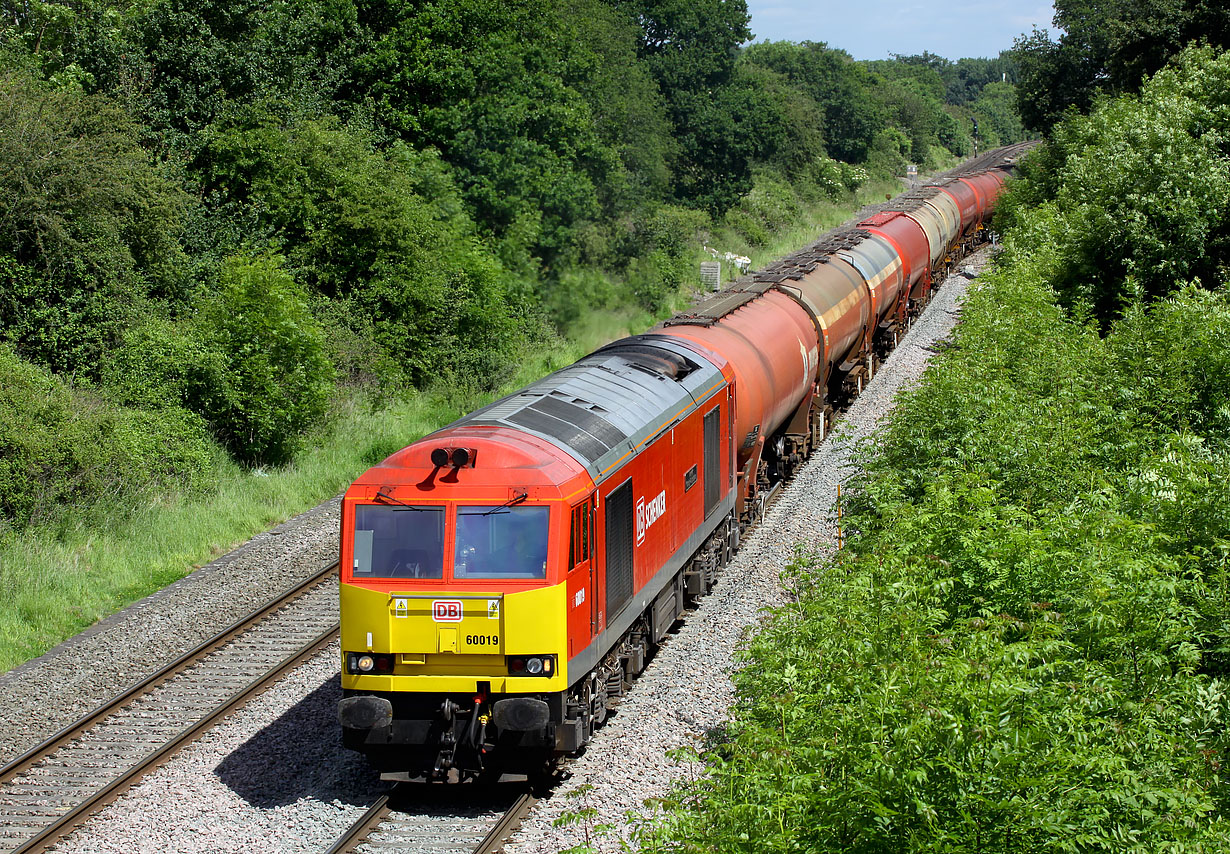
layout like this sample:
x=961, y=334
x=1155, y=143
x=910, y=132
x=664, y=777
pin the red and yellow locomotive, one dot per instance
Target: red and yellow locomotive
x=504, y=578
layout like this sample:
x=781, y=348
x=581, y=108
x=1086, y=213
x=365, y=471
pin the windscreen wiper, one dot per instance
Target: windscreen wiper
x=383, y=495
x=516, y=499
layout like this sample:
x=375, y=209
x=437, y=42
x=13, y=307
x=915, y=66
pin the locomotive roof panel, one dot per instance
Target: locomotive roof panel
x=609, y=403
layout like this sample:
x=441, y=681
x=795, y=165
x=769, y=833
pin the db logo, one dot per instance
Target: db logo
x=446, y=611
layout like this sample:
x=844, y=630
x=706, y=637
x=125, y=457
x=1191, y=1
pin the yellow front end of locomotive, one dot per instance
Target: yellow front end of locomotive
x=451, y=642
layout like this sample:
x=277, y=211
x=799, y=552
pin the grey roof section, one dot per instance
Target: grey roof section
x=604, y=406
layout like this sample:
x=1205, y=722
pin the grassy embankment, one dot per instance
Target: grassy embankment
x=57, y=579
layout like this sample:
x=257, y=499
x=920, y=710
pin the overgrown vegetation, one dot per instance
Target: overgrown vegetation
x=1025, y=643
x=238, y=210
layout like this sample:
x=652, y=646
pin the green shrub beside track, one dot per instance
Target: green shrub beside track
x=1024, y=645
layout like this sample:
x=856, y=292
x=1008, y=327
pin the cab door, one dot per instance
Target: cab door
x=582, y=577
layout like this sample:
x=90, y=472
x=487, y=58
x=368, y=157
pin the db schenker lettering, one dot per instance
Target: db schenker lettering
x=648, y=512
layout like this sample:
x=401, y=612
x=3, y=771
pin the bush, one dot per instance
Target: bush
x=384, y=235
x=853, y=177
x=64, y=447
x=770, y=206
x=273, y=379
x=90, y=227
x=1135, y=195
x=660, y=253
x=161, y=363
x=1024, y=644
x=889, y=150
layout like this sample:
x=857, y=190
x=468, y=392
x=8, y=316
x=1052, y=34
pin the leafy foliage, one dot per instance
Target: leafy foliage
x=1134, y=196
x=1107, y=46
x=384, y=234
x=270, y=379
x=1024, y=644
x=398, y=194
x=65, y=446
x=88, y=228
x=690, y=48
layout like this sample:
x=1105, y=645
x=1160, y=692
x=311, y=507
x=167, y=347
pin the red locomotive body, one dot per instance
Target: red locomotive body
x=504, y=575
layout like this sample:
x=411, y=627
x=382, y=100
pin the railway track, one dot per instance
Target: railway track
x=461, y=822
x=57, y=784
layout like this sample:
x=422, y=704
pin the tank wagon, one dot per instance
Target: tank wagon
x=505, y=578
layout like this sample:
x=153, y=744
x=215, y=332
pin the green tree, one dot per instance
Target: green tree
x=66, y=446
x=836, y=83
x=968, y=78
x=88, y=225
x=1108, y=46
x=272, y=379
x=384, y=235
x=690, y=47
x=628, y=110
x=995, y=110
x=483, y=82
x=1135, y=195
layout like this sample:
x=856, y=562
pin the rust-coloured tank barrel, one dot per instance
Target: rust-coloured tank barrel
x=771, y=343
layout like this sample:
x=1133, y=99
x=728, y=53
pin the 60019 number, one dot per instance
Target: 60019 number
x=482, y=640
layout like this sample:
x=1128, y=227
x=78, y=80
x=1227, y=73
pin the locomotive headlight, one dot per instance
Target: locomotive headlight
x=531, y=665
x=358, y=662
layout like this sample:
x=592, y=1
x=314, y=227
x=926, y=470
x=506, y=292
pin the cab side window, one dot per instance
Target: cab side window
x=581, y=541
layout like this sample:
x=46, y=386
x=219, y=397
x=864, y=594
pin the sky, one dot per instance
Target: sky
x=874, y=29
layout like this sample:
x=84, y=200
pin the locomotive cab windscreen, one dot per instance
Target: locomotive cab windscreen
x=489, y=542
x=398, y=542
x=501, y=542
